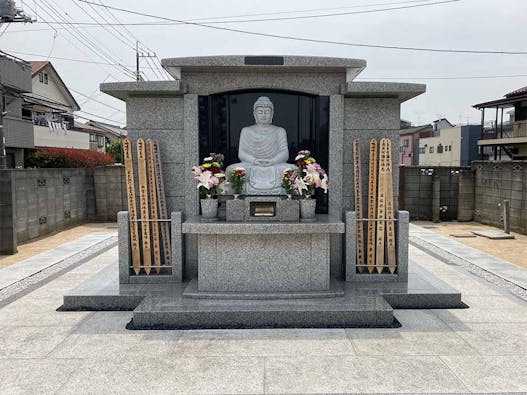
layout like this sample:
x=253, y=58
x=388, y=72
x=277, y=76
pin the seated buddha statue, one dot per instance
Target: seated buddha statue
x=263, y=152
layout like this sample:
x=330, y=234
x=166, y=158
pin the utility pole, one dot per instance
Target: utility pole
x=8, y=14
x=139, y=55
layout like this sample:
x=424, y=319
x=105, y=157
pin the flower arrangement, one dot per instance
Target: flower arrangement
x=288, y=181
x=209, y=176
x=237, y=179
x=310, y=175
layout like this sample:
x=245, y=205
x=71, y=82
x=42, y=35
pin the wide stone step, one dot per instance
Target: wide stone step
x=158, y=312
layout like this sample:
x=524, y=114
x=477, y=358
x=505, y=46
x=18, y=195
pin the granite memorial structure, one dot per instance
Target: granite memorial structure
x=259, y=111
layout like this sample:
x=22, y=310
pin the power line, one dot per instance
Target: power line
x=191, y=21
x=68, y=40
x=357, y=79
x=98, y=49
x=137, y=42
x=95, y=100
x=118, y=23
x=405, y=48
x=446, y=78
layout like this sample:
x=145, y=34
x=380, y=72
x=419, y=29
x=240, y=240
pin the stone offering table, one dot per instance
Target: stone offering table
x=263, y=256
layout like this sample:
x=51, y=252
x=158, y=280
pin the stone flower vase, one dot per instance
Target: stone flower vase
x=209, y=208
x=307, y=208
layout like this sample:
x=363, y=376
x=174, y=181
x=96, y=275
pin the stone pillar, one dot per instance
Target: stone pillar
x=466, y=196
x=177, y=247
x=191, y=136
x=436, y=196
x=351, y=245
x=8, y=239
x=336, y=163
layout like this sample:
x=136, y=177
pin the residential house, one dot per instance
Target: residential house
x=15, y=80
x=504, y=139
x=453, y=147
x=440, y=124
x=409, y=144
x=52, y=110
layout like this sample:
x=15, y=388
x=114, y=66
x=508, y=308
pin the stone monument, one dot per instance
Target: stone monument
x=272, y=272
x=263, y=152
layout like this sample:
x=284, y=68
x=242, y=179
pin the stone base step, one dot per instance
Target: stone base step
x=157, y=312
x=191, y=291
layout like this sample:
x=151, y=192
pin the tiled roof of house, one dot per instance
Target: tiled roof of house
x=37, y=66
x=517, y=92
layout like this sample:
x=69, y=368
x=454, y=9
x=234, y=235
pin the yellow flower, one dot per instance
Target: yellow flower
x=206, y=165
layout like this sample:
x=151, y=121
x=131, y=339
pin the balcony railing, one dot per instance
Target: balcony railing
x=509, y=130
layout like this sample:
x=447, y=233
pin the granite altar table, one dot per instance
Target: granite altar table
x=263, y=256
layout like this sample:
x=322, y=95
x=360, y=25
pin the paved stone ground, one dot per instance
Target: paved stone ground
x=480, y=349
x=512, y=250
x=45, y=243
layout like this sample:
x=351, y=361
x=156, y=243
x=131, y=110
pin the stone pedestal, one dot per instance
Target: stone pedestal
x=246, y=209
x=263, y=256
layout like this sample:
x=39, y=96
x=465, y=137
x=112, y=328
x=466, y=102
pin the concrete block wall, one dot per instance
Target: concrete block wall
x=110, y=192
x=43, y=201
x=466, y=200
x=8, y=237
x=51, y=199
x=496, y=182
x=415, y=191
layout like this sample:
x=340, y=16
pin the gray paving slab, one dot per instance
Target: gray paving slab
x=493, y=234
x=28, y=267
x=360, y=374
x=456, y=252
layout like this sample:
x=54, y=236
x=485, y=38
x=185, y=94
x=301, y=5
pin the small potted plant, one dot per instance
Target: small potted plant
x=310, y=177
x=237, y=178
x=210, y=178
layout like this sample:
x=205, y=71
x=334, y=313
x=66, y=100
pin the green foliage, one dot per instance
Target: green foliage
x=115, y=149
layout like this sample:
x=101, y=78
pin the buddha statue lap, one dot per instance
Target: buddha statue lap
x=263, y=152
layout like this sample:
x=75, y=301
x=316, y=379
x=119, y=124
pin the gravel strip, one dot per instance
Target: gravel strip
x=28, y=284
x=451, y=259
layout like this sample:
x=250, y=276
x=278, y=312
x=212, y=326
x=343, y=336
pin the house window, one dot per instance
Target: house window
x=93, y=138
x=27, y=114
x=406, y=143
x=440, y=149
x=45, y=78
x=450, y=148
x=401, y=149
x=431, y=150
x=100, y=141
x=422, y=150
x=41, y=77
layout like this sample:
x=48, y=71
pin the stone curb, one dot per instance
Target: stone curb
x=442, y=252
x=33, y=281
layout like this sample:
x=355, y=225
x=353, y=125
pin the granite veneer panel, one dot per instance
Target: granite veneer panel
x=257, y=263
x=371, y=113
x=156, y=112
x=322, y=224
x=364, y=136
x=205, y=83
x=177, y=246
x=191, y=141
x=335, y=171
x=171, y=142
x=402, y=240
x=351, y=244
x=124, y=251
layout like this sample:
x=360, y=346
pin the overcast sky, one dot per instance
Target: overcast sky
x=464, y=24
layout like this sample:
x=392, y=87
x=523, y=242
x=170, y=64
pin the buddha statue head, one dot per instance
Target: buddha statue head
x=263, y=111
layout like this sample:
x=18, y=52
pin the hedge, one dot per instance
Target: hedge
x=68, y=158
